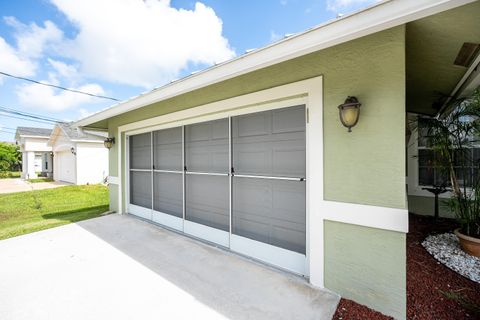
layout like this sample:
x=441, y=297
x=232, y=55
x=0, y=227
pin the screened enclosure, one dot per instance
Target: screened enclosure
x=238, y=181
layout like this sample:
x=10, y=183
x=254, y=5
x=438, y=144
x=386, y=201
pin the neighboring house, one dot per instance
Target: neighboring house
x=79, y=155
x=36, y=153
x=250, y=154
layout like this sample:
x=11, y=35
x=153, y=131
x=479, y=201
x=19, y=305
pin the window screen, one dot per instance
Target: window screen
x=270, y=143
x=140, y=151
x=206, y=146
x=167, y=149
x=208, y=201
x=140, y=160
x=270, y=211
x=141, y=188
x=271, y=208
x=168, y=193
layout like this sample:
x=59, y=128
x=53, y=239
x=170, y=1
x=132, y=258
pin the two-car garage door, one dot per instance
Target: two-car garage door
x=238, y=182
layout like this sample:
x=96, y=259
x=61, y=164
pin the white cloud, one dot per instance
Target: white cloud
x=11, y=62
x=336, y=5
x=50, y=99
x=32, y=40
x=84, y=113
x=142, y=43
x=64, y=70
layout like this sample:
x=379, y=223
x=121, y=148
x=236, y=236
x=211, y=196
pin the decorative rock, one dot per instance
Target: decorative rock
x=446, y=249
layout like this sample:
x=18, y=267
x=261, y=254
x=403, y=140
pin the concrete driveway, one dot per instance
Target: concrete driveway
x=19, y=185
x=118, y=267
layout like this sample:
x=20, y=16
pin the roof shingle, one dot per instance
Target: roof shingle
x=30, y=131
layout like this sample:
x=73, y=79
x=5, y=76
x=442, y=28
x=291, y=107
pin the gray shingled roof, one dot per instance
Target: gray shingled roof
x=29, y=131
x=74, y=134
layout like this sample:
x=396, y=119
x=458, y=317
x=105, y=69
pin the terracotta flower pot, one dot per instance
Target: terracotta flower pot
x=468, y=244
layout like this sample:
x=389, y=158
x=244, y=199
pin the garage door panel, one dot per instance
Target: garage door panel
x=270, y=211
x=287, y=161
x=280, y=153
x=167, y=149
x=289, y=239
x=252, y=125
x=140, y=151
x=206, y=147
x=254, y=160
x=207, y=200
x=141, y=189
x=290, y=119
x=168, y=193
x=208, y=159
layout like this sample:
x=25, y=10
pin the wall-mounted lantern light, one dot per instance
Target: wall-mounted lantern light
x=109, y=142
x=72, y=150
x=349, y=112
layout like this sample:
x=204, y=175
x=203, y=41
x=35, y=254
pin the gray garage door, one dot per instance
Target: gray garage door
x=241, y=178
x=268, y=183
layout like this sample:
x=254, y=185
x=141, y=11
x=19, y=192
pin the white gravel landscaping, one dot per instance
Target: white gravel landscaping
x=446, y=249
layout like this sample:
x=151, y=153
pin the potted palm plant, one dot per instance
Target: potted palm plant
x=452, y=137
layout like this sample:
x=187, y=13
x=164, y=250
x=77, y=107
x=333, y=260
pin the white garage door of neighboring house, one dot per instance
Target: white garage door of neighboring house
x=238, y=182
x=65, y=166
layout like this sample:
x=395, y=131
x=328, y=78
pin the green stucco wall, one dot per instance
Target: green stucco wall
x=367, y=265
x=366, y=166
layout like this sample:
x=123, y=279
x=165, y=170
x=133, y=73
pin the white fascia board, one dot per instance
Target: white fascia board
x=382, y=16
x=87, y=141
x=32, y=136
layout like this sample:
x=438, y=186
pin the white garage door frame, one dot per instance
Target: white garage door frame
x=306, y=92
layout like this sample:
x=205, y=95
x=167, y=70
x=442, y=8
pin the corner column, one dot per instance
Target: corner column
x=30, y=174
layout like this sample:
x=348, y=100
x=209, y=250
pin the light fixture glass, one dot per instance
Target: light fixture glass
x=349, y=112
x=109, y=142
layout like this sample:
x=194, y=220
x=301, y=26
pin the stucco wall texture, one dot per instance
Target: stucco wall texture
x=366, y=166
x=367, y=265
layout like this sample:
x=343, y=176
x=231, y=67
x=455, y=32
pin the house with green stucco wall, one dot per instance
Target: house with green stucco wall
x=250, y=154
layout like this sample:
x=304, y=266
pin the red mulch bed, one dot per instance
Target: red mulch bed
x=428, y=283
x=349, y=310
x=428, y=280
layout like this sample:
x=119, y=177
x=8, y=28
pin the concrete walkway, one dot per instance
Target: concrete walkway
x=118, y=267
x=19, y=185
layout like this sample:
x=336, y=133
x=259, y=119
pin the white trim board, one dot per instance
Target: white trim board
x=167, y=220
x=113, y=180
x=206, y=233
x=378, y=217
x=384, y=15
x=276, y=256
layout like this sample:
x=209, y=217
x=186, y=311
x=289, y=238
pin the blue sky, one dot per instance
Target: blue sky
x=123, y=48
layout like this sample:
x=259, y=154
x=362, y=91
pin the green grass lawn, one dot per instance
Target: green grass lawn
x=40, y=180
x=26, y=212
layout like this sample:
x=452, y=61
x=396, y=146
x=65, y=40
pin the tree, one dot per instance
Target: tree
x=452, y=136
x=10, y=157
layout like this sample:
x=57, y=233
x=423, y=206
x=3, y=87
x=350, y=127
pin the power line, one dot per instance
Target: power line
x=58, y=87
x=4, y=112
x=27, y=114
x=27, y=119
x=17, y=114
